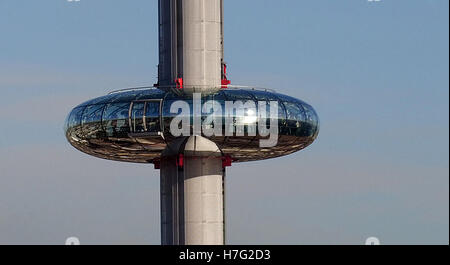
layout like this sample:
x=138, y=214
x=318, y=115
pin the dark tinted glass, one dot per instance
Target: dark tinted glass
x=311, y=119
x=294, y=114
x=152, y=117
x=286, y=98
x=127, y=96
x=106, y=125
x=151, y=94
x=263, y=95
x=100, y=100
x=168, y=116
x=91, y=121
x=74, y=123
x=234, y=94
x=115, y=119
x=137, y=117
x=75, y=117
x=92, y=113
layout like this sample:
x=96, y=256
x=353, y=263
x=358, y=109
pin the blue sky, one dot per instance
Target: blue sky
x=376, y=72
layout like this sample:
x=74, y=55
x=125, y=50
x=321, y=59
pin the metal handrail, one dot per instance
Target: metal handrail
x=170, y=87
x=130, y=89
x=251, y=88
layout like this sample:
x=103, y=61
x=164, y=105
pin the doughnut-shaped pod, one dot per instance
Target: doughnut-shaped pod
x=134, y=125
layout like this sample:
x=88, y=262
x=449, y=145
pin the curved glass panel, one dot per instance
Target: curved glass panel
x=91, y=121
x=213, y=102
x=137, y=117
x=286, y=98
x=268, y=97
x=214, y=122
x=295, y=118
x=115, y=119
x=100, y=100
x=74, y=121
x=167, y=116
x=152, y=117
x=151, y=94
x=311, y=115
x=243, y=112
x=126, y=96
x=312, y=120
x=116, y=127
x=263, y=95
x=235, y=94
x=294, y=114
x=75, y=117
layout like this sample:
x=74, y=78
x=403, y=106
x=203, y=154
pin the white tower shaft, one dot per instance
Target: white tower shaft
x=191, y=44
x=192, y=193
x=192, y=176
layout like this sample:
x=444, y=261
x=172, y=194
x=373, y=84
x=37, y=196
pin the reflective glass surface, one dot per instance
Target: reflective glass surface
x=152, y=116
x=91, y=121
x=115, y=119
x=137, y=117
x=129, y=126
x=74, y=123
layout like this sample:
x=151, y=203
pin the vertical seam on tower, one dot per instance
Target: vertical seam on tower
x=203, y=21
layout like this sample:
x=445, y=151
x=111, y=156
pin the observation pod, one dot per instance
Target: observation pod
x=134, y=125
x=192, y=137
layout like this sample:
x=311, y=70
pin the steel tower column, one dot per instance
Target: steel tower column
x=192, y=176
x=191, y=44
x=192, y=193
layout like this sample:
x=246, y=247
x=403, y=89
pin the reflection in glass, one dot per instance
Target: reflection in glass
x=101, y=127
x=294, y=114
x=74, y=122
x=137, y=117
x=168, y=116
x=115, y=119
x=294, y=118
x=311, y=120
x=75, y=117
x=151, y=94
x=91, y=121
x=152, y=116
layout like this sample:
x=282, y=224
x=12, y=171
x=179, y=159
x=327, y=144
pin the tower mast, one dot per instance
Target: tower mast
x=192, y=173
x=191, y=44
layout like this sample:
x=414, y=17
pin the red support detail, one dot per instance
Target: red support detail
x=225, y=81
x=180, y=160
x=157, y=164
x=179, y=83
x=226, y=161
